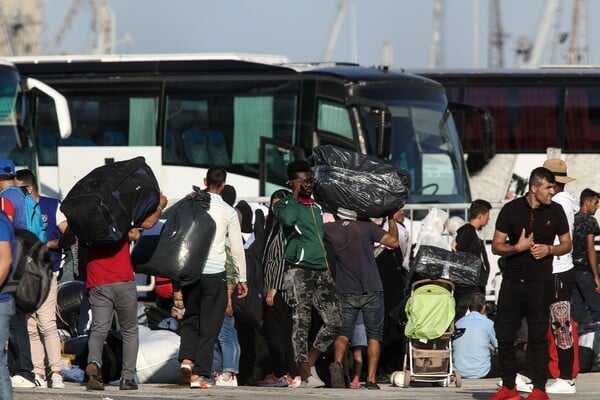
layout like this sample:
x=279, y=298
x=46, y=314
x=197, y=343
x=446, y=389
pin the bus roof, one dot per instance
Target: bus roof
x=550, y=71
x=200, y=64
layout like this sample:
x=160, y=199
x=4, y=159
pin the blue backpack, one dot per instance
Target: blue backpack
x=33, y=215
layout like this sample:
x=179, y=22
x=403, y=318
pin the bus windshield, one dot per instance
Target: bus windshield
x=9, y=89
x=423, y=142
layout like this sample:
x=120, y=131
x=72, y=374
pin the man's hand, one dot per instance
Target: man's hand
x=242, y=288
x=525, y=242
x=597, y=281
x=270, y=297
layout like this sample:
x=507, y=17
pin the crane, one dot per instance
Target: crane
x=496, y=36
x=436, y=50
x=335, y=30
x=575, y=54
x=551, y=11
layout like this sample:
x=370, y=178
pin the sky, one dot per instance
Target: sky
x=300, y=29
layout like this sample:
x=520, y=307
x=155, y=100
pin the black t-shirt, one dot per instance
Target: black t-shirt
x=546, y=222
x=584, y=225
x=468, y=241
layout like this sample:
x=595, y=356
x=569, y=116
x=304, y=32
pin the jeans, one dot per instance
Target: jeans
x=584, y=297
x=371, y=304
x=7, y=310
x=104, y=300
x=19, y=360
x=43, y=335
x=228, y=358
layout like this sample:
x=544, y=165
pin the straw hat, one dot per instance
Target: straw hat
x=559, y=169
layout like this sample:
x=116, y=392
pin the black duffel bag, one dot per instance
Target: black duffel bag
x=106, y=203
x=365, y=184
x=458, y=267
x=177, y=247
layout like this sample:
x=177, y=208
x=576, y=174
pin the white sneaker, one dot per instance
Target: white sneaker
x=312, y=382
x=226, y=379
x=57, y=381
x=17, y=381
x=522, y=382
x=561, y=386
x=40, y=381
x=313, y=372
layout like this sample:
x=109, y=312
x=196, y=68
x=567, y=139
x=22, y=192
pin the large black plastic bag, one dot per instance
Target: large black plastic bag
x=178, y=248
x=103, y=205
x=365, y=184
x=458, y=267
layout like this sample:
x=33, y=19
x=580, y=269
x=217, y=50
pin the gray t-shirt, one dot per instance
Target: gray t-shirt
x=355, y=266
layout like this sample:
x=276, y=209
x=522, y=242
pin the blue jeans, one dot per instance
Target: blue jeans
x=371, y=305
x=7, y=310
x=584, y=297
x=228, y=359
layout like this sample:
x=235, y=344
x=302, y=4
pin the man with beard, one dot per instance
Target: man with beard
x=525, y=232
x=307, y=280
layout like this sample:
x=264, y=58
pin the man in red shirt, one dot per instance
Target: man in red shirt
x=111, y=284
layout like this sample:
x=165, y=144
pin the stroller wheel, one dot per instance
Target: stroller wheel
x=457, y=379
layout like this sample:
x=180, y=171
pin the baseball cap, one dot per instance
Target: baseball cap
x=559, y=169
x=7, y=167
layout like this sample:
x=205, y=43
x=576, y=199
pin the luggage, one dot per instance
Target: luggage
x=177, y=246
x=31, y=280
x=103, y=205
x=365, y=184
x=458, y=267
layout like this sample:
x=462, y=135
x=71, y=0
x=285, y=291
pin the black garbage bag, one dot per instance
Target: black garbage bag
x=458, y=267
x=106, y=203
x=177, y=247
x=365, y=184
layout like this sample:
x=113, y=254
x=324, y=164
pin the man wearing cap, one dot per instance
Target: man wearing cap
x=358, y=285
x=564, y=278
x=19, y=360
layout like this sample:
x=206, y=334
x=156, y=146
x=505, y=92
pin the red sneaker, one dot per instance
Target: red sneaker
x=537, y=394
x=505, y=393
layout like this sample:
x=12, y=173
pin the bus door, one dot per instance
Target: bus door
x=273, y=160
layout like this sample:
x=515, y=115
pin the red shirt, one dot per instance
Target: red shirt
x=109, y=264
x=7, y=206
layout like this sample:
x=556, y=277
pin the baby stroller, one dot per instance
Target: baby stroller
x=429, y=329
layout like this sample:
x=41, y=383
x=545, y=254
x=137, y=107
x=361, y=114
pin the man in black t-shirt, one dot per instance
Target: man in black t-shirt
x=586, y=293
x=468, y=240
x=525, y=232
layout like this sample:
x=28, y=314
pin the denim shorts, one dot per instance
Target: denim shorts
x=371, y=304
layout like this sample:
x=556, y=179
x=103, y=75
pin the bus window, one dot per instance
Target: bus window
x=334, y=118
x=582, y=107
x=536, y=127
x=494, y=99
x=216, y=123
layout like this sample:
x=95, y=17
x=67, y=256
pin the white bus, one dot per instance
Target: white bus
x=250, y=114
x=17, y=114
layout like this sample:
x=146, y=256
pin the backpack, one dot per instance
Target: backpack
x=30, y=282
x=33, y=215
x=110, y=200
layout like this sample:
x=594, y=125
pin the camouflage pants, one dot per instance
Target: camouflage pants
x=306, y=289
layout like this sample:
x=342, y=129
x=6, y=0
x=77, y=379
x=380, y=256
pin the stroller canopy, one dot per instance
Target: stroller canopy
x=430, y=311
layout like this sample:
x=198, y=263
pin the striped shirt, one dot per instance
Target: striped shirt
x=273, y=261
x=227, y=224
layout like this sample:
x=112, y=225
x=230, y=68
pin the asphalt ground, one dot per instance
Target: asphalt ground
x=588, y=387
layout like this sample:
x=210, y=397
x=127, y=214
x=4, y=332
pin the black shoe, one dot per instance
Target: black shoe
x=94, y=376
x=337, y=376
x=371, y=385
x=128, y=384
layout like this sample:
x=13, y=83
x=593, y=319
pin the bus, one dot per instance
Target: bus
x=251, y=114
x=16, y=114
x=537, y=114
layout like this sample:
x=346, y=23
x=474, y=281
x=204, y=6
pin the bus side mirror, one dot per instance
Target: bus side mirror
x=475, y=127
